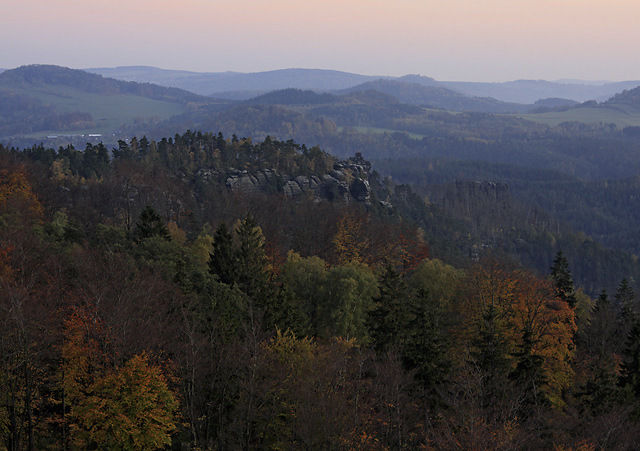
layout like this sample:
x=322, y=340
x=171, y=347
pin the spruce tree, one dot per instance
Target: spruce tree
x=528, y=373
x=223, y=261
x=426, y=347
x=602, y=345
x=391, y=314
x=151, y=224
x=626, y=301
x=562, y=280
x=253, y=276
x=630, y=373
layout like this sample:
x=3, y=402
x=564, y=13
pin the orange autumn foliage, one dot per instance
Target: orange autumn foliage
x=129, y=407
x=15, y=189
x=521, y=304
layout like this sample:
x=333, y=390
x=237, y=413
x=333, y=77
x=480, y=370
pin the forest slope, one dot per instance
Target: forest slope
x=257, y=319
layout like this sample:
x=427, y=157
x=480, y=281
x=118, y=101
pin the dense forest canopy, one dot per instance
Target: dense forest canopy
x=183, y=282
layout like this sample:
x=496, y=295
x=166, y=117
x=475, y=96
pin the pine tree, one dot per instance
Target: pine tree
x=602, y=333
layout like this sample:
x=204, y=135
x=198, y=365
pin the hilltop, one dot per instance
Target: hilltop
x=240, y=86
x=629, y=97
x=437, y=97
x=42, y=99
x=621, y=110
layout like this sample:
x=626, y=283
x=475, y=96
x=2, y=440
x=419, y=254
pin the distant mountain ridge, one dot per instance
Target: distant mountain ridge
x=256, y=83
x=242, y=86
x=438, y=97
x=530, y=91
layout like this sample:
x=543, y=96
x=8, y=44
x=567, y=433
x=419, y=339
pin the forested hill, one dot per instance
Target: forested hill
x=402, y=92
x=292, y=96
x=629, y=97
x=438, y=97
x=44, y=75
x=182, y=293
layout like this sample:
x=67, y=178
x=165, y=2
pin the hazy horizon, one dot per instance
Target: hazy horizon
x=459, y=40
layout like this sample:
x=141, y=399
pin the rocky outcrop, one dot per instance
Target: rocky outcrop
x=347, y=181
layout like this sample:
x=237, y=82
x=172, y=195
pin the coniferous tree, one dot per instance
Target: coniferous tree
x=143, y=146
x=625, y=300
x=223, y=261
x=252, y=258
x=151, y=224
x=528, y=373
x=286, y=312
x=630, y=372
x=491, y=352
x=562, y=279
x=390, y=316
x=601, y=347
x=426, y=347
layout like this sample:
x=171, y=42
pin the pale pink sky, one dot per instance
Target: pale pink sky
x=474, y=40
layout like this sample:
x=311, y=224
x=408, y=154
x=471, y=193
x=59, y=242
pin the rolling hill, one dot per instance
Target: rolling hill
x=40, y=100
x=242, y=86
x=438, y=97
x=236, y=85
x=623, y=110
x=529, y=91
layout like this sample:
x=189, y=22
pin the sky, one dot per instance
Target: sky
x=449, y=40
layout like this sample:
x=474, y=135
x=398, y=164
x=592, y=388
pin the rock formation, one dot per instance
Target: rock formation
x=347, y=181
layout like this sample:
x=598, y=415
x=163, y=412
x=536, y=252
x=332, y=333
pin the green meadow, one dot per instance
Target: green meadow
x=380, y=130
x=109, y=112
x=622, y=115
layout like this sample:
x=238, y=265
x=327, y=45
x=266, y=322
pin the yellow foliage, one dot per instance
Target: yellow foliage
x=130, y=407
x=178, y=235
x=348, y=241
x=202, y=247
x=292, y=351
x=14, y=187
x=60, y=170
